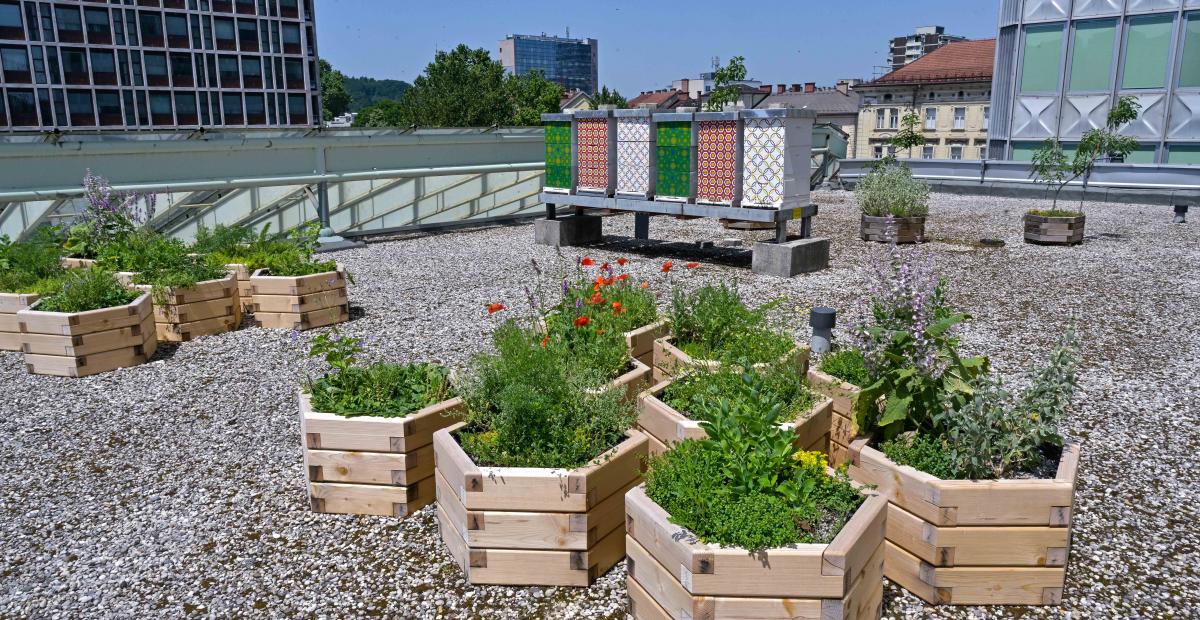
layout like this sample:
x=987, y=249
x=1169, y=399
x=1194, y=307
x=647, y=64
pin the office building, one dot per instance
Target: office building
x=907, y=49
x=572, y=63
x=1060, y=65
x=157, y=64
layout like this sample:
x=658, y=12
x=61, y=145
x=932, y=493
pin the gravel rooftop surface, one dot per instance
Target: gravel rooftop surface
x=177, y=488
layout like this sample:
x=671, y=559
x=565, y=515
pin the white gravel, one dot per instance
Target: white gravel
x=176, y=488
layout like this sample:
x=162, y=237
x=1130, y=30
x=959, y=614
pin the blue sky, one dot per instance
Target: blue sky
x=644, y=45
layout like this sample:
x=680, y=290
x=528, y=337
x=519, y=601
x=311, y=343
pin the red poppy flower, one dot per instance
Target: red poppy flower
x=622, y=261
x=645, y=285
x=494, y=308
x=598, y=283
x=599, y=331
x=596, y=299
x=604, y=267
x=545, y=341
x=693, y=265
x=616, y=305
x=623, y=277
x=587, y=261
x=582, y=321
x=666, y=268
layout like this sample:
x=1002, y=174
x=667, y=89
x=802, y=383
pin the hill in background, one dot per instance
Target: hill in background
x=368, y=91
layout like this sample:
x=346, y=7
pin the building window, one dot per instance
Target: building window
x=231, y=103
x=156, y=69
x=960, y=118
x=15, y=62
x=291, y=38
x=878, y=151
x=1189, y=73
x=248, y=35
x=177, y=30
x=74, y=66
x=927, y=152
x=956, y=152
x=104, y=68
x=227, y=66
x=223, y=28
x=181, y=69
x=983, y=151
x=152, y=28
x=987, y=117
x=1147, y=52
x=80, y=104
x=1091, y=57
x=21, y=110
x=160, y=109
x=894, y=119
x=930, y=119
x=108, y=105
x=185, y=108
x=98, y=29
x=1043, y=53
x=10, y=21
x=1180, y=154
x=880, y=118
x=251, y=72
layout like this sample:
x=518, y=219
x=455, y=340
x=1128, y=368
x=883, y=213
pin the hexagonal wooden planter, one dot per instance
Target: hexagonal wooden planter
x=369, y=465
x=10, y=330
x=302, y=303
x=641, y=341
x=842, y=430
x=667, y=426
x=245, y=294
x=674, y=575
x=965, y=542
x=670, y=360
x=76, y=263
x=885, y=229
x=534, y=526
x=80, y=344
x=1044, y=230
x=208, y=308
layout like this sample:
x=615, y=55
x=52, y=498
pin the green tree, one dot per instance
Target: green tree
x=1052, y=167
x=908, y=137
x=460, y=88
x=611, y=97
x=365, y=91
x=532, y=95
x=335, y=98
x=727, y=88
x=384, y=113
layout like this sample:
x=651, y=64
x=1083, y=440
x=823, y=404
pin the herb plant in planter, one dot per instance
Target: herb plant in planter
x=368, y=431
x=531, y=486
x=1052, y=167
x=292, y=289
x=86, y=324
x=610, y=302
x=27, y=269
x=894, y=205
x=743, y=525
x=676, y=409
x=107, y=216
x=193, y=295
x=712, y=325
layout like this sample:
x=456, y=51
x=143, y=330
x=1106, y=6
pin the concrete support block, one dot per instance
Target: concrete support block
x=570, y=230
x=786, y=260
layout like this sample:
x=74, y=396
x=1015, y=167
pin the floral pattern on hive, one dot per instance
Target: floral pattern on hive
x=558, y=154
x=593, y=153
x=762, y=176
x=717, y=161
x=633, y=155
x=674, y=159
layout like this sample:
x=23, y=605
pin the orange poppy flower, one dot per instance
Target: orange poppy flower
x=666, y=267
x=587, y=261
x=645, y=285
x=622, y=261
x=582, y=321
x=494, y=308
x=693, y=265
x=616, y=305
x=623, y=277
x=599, y=331
x=545, y=341
x=596, y=299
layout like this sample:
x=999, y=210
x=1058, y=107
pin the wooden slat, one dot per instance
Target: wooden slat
x=297, y=304
x=812, y=427
x=371, y=467
x=327, y=431
x=11, y=303
x=865, y=598
x=197, y=311
x=633, y=381
x=522, y=567
x=641, y=605
x=1003, y=502
x=186, y=332
x=656, y=447
x=11, y=341
x=908, y=488
x=208, y=290
x=87, y=365
x=659, y=583
x=262, y=283
x=977, y=546
x=850, y=552
x=841, y=392
x=34, y=321
x=641, y=341
x=368, y=499
x=88, y=344
x=612, y=471
x=76, y=263
x=9, y=322
x=303, y=321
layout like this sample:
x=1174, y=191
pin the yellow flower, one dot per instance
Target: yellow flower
x=812, y=460
x=1034, y=416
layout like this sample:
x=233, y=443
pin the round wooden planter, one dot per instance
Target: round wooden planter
x=1043, y=230
x=667, y=426
x=368, y=465
x=81, y=344
x=971, y=542
x=883, y=229
x=526, y=526
x=10, y=330
x=300, y=303
x=670, y=360
x=674, y=575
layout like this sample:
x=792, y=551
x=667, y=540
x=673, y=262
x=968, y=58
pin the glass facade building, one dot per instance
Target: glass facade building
x=572, y=63
x=157, y=64
x=1060, y=64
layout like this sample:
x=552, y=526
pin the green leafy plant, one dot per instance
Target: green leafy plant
x=1052, y=167
x=890, y=190
x=727, y=84
x=908, y=137
x=848, y=365
x=712, y=322
x=107, y=216
x=379, y=390
x=928, y=454
x=32, y=265
x=700, y=393
x=532, y=404
x=290, y=255
x=158, y=261
x=81, y=290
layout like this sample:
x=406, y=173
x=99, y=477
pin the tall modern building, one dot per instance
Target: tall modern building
x=1060, y=65
x=157, y=64
x=924, y=40
x=573, y=63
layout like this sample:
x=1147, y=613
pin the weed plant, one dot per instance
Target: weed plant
x=81, y=290
x=378, y=390
x=848, y=365
x=699, y=395
x=713, y=323
x=33, y=265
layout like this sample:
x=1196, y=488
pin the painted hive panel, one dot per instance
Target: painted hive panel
x=593, y=153
x=762, y=175
x=674, y=159
x=633, y=155
x=717, y=161
x=558, y=154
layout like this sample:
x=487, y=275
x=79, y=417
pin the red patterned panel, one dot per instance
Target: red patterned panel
x=593, y=153
x=716, y=161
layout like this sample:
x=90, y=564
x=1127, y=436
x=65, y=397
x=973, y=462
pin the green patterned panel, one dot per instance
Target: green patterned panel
x=558, y=162
x=675, y=133
x=558, y=132
x=558, y=176
x=674, y=169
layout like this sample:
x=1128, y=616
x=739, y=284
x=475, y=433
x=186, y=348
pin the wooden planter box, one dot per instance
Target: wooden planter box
x=666, y=426
x=641, y=341
x=81, y=344
x=674, y=575
x=963, y=542
x=369, y=465
x=10, y=330
x=906, y=229
x=534, y=526
x=245, y=294
x=209, y=307
x=842, y=429
x=76, y=263
x=301, y=303
x=670, y=361
x=1054, y=230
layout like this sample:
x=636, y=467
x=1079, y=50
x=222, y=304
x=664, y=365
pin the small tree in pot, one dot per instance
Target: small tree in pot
x=1052, y=167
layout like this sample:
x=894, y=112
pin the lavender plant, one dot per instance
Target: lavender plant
x=108, y=215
